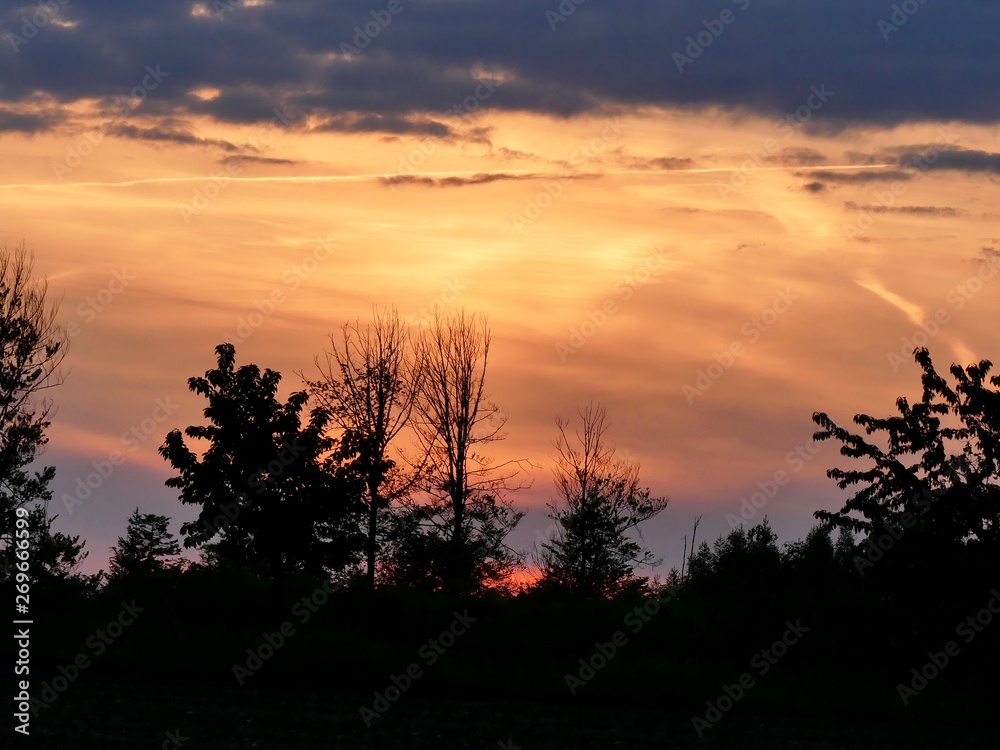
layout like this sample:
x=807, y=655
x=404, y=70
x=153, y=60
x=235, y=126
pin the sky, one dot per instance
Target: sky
x=715, y=218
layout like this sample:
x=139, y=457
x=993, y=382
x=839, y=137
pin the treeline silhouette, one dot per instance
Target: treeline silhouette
x=343, y=529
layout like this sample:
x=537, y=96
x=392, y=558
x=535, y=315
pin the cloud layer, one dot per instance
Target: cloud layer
x=395, y=67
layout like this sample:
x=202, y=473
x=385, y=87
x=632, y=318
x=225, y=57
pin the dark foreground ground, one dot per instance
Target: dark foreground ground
x=108, y=715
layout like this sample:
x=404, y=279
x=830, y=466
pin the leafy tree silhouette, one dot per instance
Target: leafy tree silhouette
x=146, y=543
x=32, y=347
x=936, y=478
x=741, y=559
x=817, y=556
x=267, y=484
x=600, y=503
x=927, y=501
x=55, y=557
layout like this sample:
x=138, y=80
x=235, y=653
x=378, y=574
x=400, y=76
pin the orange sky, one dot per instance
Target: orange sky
x=606, y=275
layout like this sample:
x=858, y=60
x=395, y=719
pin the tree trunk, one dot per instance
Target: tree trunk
x=372, y=536
x=277, y=591
x=455, y=568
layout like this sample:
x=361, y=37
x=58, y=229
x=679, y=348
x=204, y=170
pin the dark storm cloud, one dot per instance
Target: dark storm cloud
x=392, y=125
x=264, y=160
x=800, y=157
x=16, y=122
x=853, y=178
x=476, y=179
x=930, y=157
x=911, y=210
x=325, y=59
x=666, y=163
x=503, y=153
x=167, y=135
x=953, y=158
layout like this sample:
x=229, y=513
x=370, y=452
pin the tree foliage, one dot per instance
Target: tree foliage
x=267, y=492
x=32, y=347
x=600, y=503
x=146, y=546
x=741, y=555
x=933, y=470
x=54, y=557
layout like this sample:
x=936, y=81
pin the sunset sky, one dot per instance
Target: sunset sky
x=713, y=217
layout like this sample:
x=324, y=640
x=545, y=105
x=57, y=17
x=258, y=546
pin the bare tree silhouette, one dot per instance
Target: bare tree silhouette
x=600, y=502
x=369, y=382
x=466, y=516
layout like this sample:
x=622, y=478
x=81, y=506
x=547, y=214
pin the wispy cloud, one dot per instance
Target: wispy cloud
x=876, y=173
x=433, y=179
x=479, y=178
x=263, y=160
x=911, y=210
x=166, y=134
x=913, y=312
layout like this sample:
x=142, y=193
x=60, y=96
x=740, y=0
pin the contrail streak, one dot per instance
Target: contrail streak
x=376, y=176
